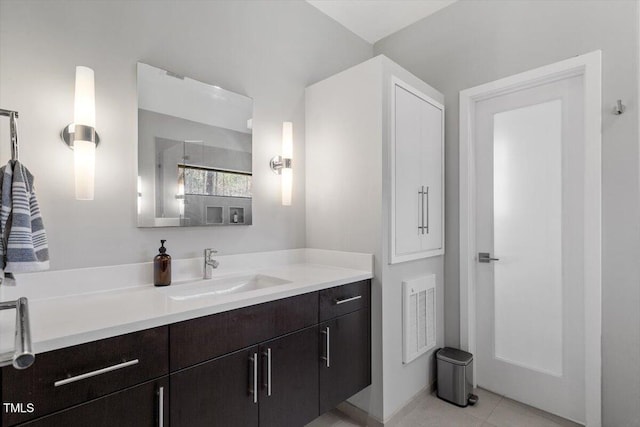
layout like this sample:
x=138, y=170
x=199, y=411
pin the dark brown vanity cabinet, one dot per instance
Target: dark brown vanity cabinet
x=345, y=343
x=274, y=385
x=280, y=363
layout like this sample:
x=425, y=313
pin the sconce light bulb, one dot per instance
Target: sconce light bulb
x=85, y=98
x=287, y=184
x=287, y=140
x=84, y=154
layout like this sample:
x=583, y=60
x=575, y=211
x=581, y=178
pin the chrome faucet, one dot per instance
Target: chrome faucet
x=209, y=262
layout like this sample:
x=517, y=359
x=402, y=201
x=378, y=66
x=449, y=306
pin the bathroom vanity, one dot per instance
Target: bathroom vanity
x=280, y=362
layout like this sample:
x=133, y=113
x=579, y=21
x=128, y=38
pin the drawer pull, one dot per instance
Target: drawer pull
x=95, y=373
x=342, y=301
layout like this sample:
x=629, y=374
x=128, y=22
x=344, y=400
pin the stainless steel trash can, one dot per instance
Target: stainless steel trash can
x=455, y=372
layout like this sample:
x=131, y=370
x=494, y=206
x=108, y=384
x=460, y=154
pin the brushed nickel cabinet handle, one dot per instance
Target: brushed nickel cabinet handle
x=95, y=373
x=420, y=206
x=422, y=203
x=427, y=226
x=161, y=407
x=253, y=388
x=342, y=301
x=267, y=354
x=327, y=356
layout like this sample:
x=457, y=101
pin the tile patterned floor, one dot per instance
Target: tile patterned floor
x=492, y=410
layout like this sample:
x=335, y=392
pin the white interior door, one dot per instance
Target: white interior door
x=530, y=186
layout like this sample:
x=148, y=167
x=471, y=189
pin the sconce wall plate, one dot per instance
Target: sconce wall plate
x=277, y=163
x=84, y=133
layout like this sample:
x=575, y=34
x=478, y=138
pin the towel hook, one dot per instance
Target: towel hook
x=13, y=129
x=619, y=108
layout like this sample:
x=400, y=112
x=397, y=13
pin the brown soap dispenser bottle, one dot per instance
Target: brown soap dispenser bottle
x=162, y=267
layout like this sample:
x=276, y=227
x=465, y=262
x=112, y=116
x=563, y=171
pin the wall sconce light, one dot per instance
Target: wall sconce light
x=281, y=165
x=180, y=194
x=81, y=135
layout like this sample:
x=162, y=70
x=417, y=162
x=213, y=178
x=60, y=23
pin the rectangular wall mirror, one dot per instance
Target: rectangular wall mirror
x=194, y=152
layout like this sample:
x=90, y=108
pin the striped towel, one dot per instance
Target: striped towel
x=23, y=242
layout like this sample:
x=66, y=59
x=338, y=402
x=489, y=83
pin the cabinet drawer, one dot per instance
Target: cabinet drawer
x=344, y=299
x=62, y=378
x=198, y=340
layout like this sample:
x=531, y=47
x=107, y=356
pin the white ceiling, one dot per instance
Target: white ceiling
x=375, y=19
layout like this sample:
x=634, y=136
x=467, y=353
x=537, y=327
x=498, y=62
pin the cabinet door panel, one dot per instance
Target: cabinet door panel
x=134, y=407
x=294, y=380
x=407, y=209
x=431, y=174
x=215, y=393
x=348, y=348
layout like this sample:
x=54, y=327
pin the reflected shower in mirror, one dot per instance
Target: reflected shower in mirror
x=194, y=152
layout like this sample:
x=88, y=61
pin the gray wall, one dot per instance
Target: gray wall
x=269, y=51
x=474, y=42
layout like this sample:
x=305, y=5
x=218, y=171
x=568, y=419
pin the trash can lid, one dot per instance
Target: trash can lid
x=455, y=356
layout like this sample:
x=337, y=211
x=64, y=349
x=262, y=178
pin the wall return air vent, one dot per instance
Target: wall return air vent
x=419, y=312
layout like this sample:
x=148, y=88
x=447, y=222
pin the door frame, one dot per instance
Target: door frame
x=590, y=67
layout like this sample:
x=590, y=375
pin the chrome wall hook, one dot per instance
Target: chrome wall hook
x=619, y=108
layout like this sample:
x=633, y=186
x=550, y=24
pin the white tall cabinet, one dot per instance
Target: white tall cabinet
x=416, y=148
x=373, y=140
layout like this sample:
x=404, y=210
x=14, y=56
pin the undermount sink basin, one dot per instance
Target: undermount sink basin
x=221, y=286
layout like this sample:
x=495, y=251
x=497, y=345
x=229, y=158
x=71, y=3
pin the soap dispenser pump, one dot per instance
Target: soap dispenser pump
x=162, y=267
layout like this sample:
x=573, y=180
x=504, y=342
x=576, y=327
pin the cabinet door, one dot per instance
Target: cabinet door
x=289, y=380
x=431, y=175
x=407, y=208
x=345, y=358
x=221, y=392
x=416, y=175
x=145, y=405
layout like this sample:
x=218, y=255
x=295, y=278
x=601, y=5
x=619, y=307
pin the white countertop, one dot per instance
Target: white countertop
x=71, y=317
